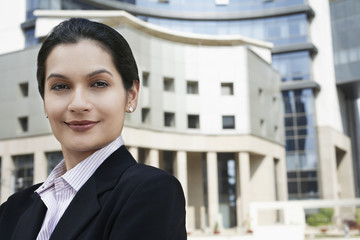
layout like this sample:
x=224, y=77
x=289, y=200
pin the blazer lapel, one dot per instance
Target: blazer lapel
x=85, y=204
x=31, y=221
x=80, y=211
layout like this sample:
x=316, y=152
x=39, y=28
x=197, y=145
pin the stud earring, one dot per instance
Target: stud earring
x=131, y=109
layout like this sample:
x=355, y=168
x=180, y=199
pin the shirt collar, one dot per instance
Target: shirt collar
x=77, y=176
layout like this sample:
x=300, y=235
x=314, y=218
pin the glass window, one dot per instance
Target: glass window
x=308, y=174
x=227, y=89
x=193, y=121
x=169, y=84
x=292, y=187
x=301, y=153
x=145, y=79
x=228, y=122
x=23, y=171
x=24, y=89
x=23, y=124
x=290, y=145
x=53, y=159
x=192, y=87
x=289, y=121
x=145, y=115
x=293, y=66
x=30, y=39
x=169, y=119
x=31, y=5
x=292, y=175
x=309, y=187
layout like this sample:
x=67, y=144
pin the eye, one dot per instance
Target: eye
x=100, y=84
x=59, y=86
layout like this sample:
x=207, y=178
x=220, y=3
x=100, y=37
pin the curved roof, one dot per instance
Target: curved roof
x=47, y=19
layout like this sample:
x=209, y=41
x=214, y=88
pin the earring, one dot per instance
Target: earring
x=131, y=109
x=46, y=116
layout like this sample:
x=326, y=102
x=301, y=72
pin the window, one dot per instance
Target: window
x=24, y=89
x=24, y=171
x=193, y=121
x=227, y=89
x=228, y=122
x=192, y=87
x=145, y=79
x=23, y=123
x=169, y=84
x=169, y=119
x=30, y=38
x=145, y=116
x=53, y=159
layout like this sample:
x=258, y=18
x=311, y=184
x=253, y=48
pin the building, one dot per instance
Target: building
x=301, y=33
x=345, y=34
x=219, y=153
x=202, y=116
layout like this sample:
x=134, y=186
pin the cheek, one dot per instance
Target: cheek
x=53, y=108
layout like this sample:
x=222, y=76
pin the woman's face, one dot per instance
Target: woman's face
x=84, y=97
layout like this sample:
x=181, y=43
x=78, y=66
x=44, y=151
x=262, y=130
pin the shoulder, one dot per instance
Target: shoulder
x=150, y=182
x=20, y=197
x=141, y=174
x=16, y=204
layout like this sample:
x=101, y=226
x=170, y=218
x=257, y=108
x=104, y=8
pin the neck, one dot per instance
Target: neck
x=73, y=158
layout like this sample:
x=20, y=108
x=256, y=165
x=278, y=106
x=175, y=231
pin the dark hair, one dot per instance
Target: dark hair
x=76, y=29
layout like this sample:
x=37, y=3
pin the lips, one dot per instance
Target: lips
x=81, y=126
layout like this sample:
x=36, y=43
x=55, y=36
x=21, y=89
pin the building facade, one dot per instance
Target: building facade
x=301, y=33
x=202, y=115
x=345, y=34
x=184, y=80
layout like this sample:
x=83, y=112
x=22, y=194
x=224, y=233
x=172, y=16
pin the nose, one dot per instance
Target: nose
x=79, y=101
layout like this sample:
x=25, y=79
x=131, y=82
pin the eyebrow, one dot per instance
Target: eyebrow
x=98, y=72
x=57, y=75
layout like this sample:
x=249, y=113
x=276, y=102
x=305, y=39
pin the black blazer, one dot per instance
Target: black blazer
x=121, y=200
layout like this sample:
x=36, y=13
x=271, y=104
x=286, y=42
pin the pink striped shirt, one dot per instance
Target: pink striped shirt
x=61, y=187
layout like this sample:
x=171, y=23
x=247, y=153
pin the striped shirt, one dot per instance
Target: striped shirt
x=61, y=186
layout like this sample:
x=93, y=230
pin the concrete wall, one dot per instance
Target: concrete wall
x=327, y=106
x=12, y=14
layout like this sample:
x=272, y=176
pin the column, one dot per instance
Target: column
x=243, y=197
x=40, y=167
x=181, y=170
x=213, y=190
x=7, y=167
x=134, y=152
x=153, y=158
x=181, y=174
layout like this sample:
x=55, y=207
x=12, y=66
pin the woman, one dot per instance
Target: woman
x=88, y=79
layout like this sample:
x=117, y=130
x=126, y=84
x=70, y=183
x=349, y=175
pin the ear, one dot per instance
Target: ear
x=132, y=96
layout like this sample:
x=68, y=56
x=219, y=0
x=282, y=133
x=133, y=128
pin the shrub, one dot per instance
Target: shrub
x=324, y=217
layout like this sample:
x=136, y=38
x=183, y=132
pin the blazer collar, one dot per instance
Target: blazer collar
x=84, y=205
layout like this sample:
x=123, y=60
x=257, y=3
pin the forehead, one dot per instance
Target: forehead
x=80, y=55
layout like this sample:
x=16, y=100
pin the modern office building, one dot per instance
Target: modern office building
x=346, y=42
x=203, y=113
x=301, y=33
x=212, y=109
